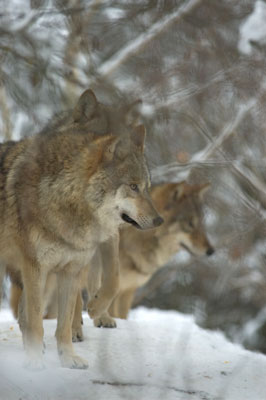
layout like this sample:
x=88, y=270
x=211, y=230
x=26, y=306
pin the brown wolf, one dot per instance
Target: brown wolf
x=142, y=253
x=64, y=193
x=92, y=118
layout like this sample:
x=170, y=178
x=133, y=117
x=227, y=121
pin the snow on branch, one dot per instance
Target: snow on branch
x=226, y=132
x=202, y=158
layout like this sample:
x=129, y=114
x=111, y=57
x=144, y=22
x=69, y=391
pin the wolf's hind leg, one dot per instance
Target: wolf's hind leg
x=21, y=315
x=124, y=303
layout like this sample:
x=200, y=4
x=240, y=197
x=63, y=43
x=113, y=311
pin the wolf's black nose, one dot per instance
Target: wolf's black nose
x=210, y=251
x=157, y=221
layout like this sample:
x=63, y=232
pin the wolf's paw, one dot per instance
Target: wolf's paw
x=73, y=361
x=104, y=321
x=77, y=334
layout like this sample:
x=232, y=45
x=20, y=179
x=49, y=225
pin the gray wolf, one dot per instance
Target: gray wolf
x=142, y=253
x=91, y=118
x=64, y=193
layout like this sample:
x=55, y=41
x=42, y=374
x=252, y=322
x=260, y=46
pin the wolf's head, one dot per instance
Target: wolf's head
x=180, y=204
x=119, y=188
x=91, y=115
x=94, y=119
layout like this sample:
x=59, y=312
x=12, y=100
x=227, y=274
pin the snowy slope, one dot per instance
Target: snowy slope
x=154, y=355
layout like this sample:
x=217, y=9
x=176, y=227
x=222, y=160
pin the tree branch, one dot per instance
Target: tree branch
x=142, y=40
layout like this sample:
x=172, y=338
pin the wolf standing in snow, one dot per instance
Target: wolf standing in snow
x=64, y=192
x=141, y=253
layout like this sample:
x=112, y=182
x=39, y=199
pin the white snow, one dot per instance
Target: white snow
x=253, y=28
x=114, y=13
x=154, y=354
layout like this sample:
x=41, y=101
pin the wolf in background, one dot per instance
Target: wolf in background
x=143, y=253
x=64, y=193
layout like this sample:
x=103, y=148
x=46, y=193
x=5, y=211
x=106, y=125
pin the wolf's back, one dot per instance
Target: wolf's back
x=9, y=153
x=5, y=152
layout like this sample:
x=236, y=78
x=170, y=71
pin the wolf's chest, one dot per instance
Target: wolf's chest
x=54, y=256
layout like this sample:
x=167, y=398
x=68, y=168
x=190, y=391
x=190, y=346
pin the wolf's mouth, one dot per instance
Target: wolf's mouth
x=187, y=249
x=129, y=220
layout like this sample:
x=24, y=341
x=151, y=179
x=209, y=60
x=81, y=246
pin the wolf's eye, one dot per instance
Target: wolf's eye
x=134, y=187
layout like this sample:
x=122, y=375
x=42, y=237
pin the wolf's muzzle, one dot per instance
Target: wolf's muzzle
x=129, y=220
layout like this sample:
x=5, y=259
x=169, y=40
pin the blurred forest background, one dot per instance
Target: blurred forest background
x=199, y=67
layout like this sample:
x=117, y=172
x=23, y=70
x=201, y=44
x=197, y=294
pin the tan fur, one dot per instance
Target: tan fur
x=142, y=253
x=15, y=295
x=65, y=192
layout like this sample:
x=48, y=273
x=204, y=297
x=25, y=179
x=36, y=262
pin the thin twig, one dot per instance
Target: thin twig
x=201, y=157
x=228, y=131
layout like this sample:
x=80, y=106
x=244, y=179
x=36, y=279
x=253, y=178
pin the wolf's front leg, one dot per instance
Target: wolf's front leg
x=77, y=335
x=98, y=305
x=68, y=286
x=31, y=314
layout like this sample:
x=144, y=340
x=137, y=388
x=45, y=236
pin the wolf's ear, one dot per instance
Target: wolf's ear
x=85, y=107
x=179, y=190
x=138, y=136
x=202, y=189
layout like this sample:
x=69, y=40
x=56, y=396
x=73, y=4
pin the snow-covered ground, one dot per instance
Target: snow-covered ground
x=153, y=355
